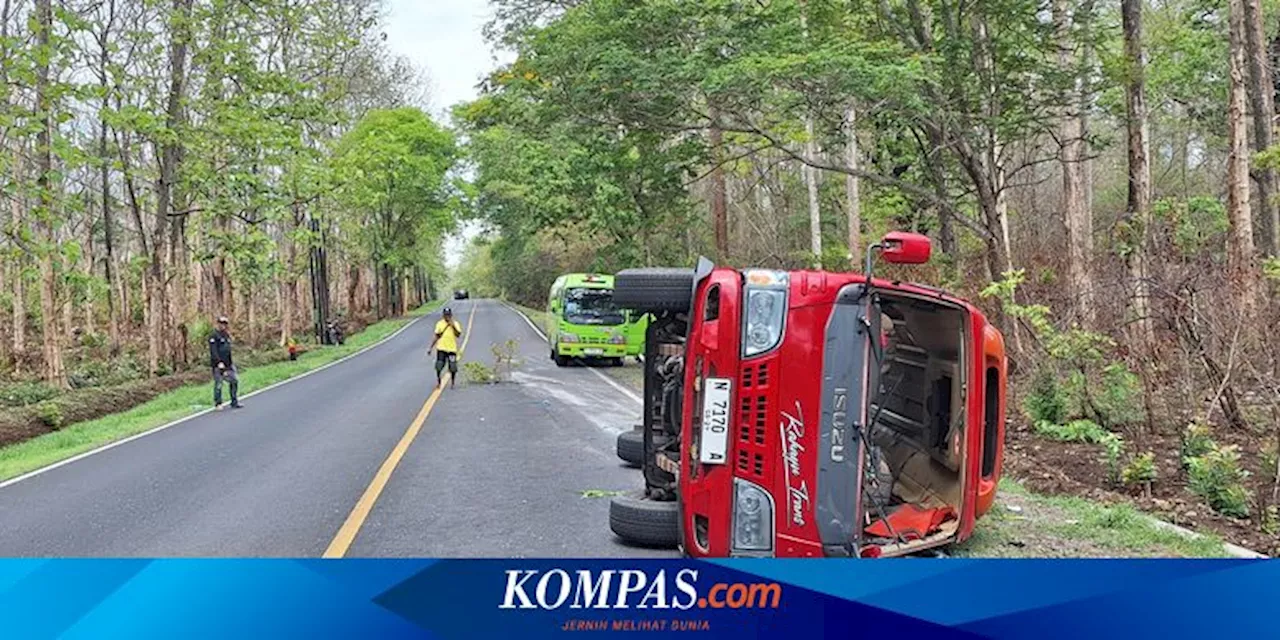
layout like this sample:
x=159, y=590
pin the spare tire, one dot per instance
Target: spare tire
x=630, y=446
x=645, y=522
x=653, y=289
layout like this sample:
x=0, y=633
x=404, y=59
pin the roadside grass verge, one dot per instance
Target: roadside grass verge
x=73, y=439
x=1025, y=525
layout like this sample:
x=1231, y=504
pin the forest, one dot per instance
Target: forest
x=168, y=162
x=1099, y=176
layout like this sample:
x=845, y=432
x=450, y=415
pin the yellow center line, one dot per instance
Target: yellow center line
x=351, y=527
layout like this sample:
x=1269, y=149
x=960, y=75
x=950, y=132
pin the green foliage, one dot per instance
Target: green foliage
x=1085, y=431
x=1217, y=477
x=1197, y=440
x=1113, y=457
x=1118, y=401
x=1270, y=524
x=1095, y=387
x=50, y=414
x=21, y=394
x=478, y=373
x=1271, y=268
x=1199, y=223
x=1141, y=470
x=1046, y=400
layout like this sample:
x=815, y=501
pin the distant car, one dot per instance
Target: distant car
x=461, y=294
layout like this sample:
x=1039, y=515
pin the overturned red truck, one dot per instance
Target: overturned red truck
x=812, y=413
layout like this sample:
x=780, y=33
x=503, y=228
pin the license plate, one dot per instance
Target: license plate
x=715, y=420
x=593, y=352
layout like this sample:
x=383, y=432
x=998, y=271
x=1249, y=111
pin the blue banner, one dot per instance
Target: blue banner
x=727, y=599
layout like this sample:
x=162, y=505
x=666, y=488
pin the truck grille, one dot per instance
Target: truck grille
x=753, y=414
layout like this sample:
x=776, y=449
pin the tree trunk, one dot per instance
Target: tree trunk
x=811, y=186
x=17, y=277
x=1262, y=100
x=1240, y=246
x=1076, y=213
x=853, y=197
x=1138, y=213
x=45, y=218
x=169, y=155
x=113, y=314
x=811, y=174
x=719, y=197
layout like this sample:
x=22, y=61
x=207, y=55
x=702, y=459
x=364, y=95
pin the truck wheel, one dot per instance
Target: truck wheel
x=645, y=522
x=630, y=446
x=654, y=289
x=561, y=361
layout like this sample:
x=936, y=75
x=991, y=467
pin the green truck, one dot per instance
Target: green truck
x=583, y=322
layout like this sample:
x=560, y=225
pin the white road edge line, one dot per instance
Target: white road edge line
x=609, y=381
x=115, y=443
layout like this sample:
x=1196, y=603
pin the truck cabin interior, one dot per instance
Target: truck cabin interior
x=913, y=493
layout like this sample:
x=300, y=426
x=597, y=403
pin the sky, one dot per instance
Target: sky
x=443, y=39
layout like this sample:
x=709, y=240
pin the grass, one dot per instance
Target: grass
x=17, y=459
x=1026, y=525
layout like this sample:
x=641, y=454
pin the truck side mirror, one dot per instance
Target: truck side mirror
x=902, y=247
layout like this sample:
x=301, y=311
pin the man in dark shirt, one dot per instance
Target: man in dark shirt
x=223, y=367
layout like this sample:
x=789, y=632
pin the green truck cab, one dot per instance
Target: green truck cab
x=583, y=322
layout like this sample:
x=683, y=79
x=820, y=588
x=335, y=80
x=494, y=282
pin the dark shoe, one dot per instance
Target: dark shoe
x=237, y=406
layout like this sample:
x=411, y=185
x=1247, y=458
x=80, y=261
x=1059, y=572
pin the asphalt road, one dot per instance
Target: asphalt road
x=495, y=470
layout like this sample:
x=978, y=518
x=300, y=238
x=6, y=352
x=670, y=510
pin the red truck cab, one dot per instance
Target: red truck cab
x=812, y=414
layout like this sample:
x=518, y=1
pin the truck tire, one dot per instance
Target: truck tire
x=645, y=522
x=630, y=446
x=653, y=289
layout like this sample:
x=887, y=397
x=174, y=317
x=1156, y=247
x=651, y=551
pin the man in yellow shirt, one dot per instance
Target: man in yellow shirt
x=448, y=331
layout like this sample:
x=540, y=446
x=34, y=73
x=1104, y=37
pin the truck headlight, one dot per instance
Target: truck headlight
x=568, y=337
x=617, y=338
x=766, y=310
x=752, y=517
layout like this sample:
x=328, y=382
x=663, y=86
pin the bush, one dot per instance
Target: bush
x=1196, y=441
x=1217, y=477
x=1046, y=400
x=1112, y=455
x=1141, y=470
x=22, y=394
x=92, y=340
x=477, y=373
x=1085, y=431
x=50, y=414
x=1119, y=401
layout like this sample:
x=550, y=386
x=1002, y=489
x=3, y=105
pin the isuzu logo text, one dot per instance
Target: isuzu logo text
x=792, y=430
x=839, y=419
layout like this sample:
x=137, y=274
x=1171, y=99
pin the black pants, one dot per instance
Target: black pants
x=446, y=357
x=233, y=381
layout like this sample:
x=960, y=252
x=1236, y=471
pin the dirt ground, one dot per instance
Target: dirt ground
x=1073, y=469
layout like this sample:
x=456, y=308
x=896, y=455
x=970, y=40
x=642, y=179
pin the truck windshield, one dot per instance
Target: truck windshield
x=591, y=306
